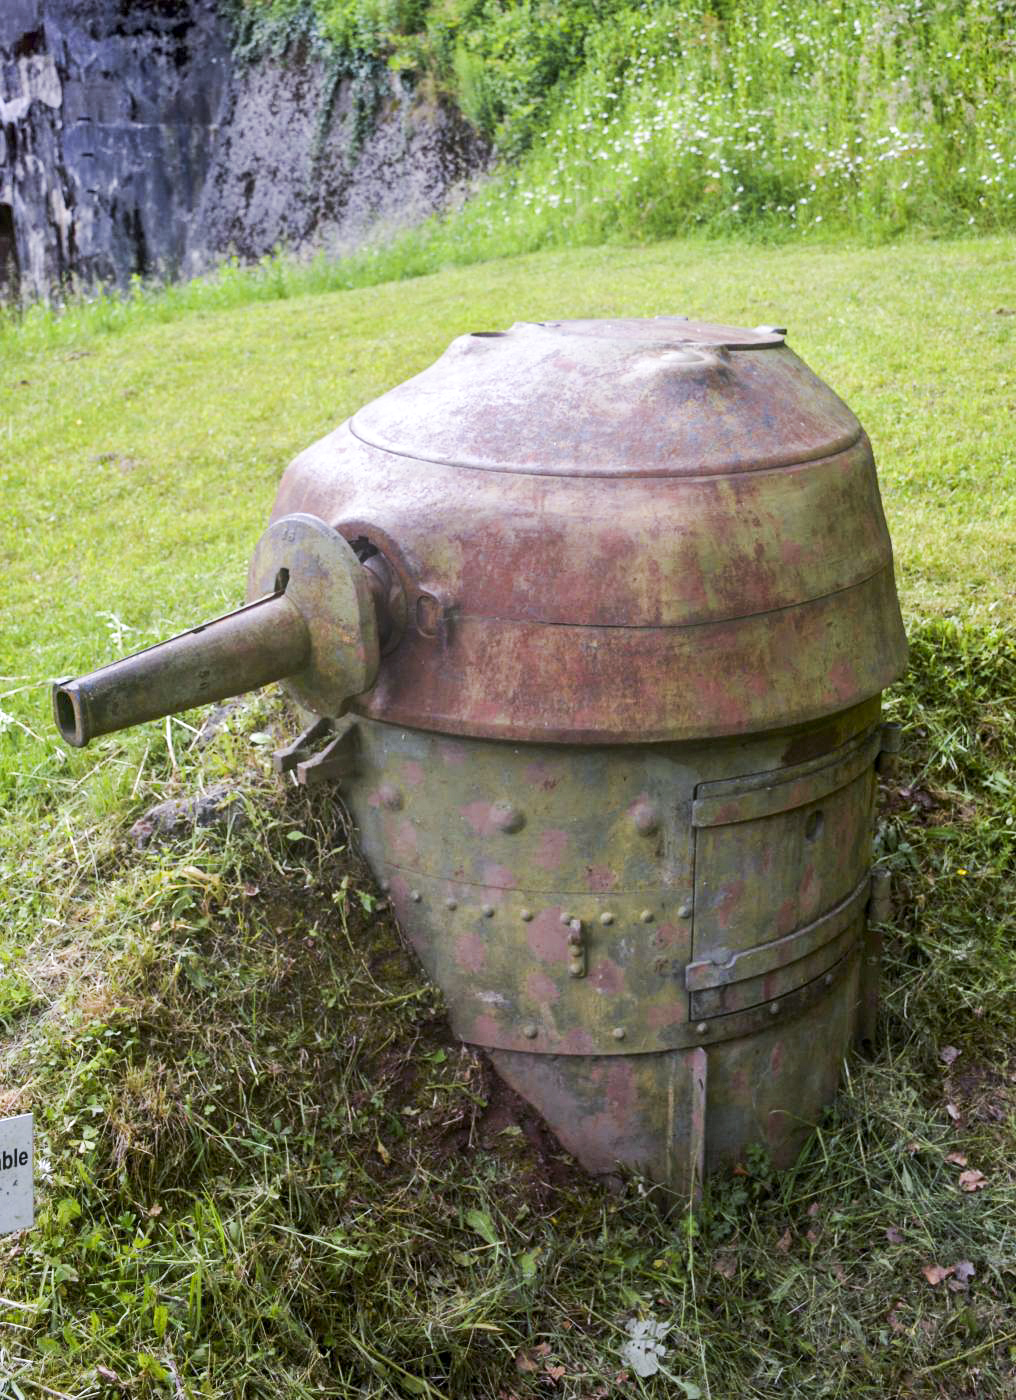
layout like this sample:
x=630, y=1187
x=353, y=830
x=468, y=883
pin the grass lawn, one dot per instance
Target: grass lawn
x=266, y=1168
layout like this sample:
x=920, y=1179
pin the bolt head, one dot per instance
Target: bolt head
x=451, y=903
x=566, y=918
x=618, y=1032
x=828, y=979
x=774, y=1008
x=415, y=896
x=529, y=1031
x=386, y=886
x=505, y=817
x=646, y=818
x=606, y=917
x=526, y=916
x=684, y=912
x=702, y=1028
x=646, y=916
x=487, y=911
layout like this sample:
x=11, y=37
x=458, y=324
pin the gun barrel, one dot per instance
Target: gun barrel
x=264, y=641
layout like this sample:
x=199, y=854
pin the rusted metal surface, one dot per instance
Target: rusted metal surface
x=568, y=897
x=616, y=398
x=644, y=1111
x=879, y=914
x=723, y=499
x=243, y=650
x=596, y=617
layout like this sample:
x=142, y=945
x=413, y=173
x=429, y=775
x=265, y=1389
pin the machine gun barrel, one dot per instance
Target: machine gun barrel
x=264, y=641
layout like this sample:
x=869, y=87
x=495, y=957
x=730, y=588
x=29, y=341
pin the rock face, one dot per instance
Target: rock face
x=132, y=142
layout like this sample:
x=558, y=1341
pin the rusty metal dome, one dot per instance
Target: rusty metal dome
x=610, y=529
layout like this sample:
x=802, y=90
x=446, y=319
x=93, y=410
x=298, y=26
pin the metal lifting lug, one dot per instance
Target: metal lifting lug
x=336, y=761
x=889, y=755
x=284, y=760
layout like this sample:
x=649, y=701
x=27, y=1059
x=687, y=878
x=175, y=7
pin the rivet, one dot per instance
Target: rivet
x=646, y=916
x=526, y=915
x=646, y=818
x=684, y=912
x=415, y=896
x=774, y=1009
x=576, y=969
x=618, y=1032
x=451, y=903
x=567, y=918
x=529, y=1031
x=487, y=911
x=702, y=1028
x=829, y=979
x=506, y=817
x=606, y=917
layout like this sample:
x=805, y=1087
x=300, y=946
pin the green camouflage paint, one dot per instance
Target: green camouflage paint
x=596, y=617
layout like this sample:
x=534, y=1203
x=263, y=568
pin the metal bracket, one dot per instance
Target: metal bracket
x=699, y=1070
x=576, y=949
x=889, y=754
x=336, y=760
x=724, y=967
x=748, y=799
x=879, y=913
x=880, y=901
x=284, y=760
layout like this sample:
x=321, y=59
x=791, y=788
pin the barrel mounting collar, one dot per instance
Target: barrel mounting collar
x=318, y=571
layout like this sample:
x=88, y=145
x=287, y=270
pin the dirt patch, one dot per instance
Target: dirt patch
x=982, y=1093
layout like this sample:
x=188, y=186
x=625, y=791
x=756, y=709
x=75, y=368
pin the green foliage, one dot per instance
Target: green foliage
x=618, y=120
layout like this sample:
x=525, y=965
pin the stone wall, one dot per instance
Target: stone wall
x=131, y=142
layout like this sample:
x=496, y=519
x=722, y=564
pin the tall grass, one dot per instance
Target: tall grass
x=769, y=116
x=733, y=118
x=646, y=121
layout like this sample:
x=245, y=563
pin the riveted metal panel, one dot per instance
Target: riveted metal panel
x=776, y=873
x=505, y=959
x=644, y=1112
x=588, y=824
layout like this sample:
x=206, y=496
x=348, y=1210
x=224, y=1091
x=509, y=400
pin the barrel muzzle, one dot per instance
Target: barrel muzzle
x=311, y=623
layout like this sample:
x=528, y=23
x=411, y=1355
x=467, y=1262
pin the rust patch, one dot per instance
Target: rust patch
x=471, y=951
x=552, y=850
x=600, y=879
x=543, y=989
